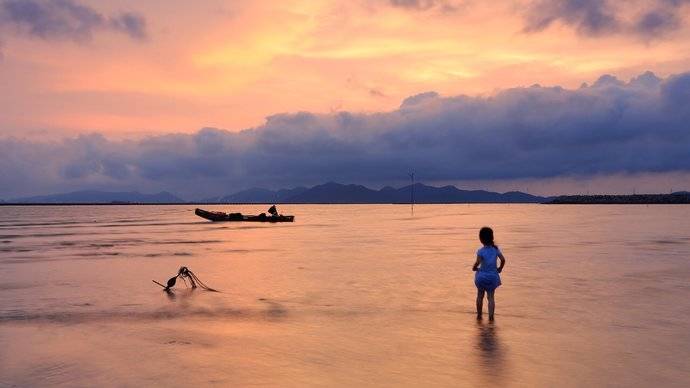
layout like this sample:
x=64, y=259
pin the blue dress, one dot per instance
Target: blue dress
x=487, y=278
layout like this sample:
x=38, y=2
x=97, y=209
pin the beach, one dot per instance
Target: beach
x=347, y=295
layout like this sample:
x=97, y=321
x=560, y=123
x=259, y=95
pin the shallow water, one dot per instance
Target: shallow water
x=351, y=295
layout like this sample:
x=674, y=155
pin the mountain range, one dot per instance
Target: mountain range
x=338, y=193
x=331, y=192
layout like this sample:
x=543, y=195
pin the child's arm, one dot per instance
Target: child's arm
x=503, y=262
x=476, y=263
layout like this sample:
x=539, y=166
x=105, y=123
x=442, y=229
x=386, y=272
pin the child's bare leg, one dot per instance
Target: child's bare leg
x=492, y=303
x=480, y=302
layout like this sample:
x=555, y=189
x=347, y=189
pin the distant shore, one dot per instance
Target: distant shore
x=255, y=203
x=635, y=199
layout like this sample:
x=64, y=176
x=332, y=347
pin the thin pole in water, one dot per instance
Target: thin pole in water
x=411, y=174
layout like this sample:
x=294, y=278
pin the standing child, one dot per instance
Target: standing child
x=487, y=279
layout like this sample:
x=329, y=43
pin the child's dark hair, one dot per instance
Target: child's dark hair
x=486, y=236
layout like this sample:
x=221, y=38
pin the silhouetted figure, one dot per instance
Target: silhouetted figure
x=185, y=274
x=171, y=283
x=273, y=211
x=487, y=278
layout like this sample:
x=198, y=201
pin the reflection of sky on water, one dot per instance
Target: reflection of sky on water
x=346, y=296
x=491, y=351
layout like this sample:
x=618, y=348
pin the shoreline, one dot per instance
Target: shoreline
x=553, y=202
x=634, y=199
x=260, y=203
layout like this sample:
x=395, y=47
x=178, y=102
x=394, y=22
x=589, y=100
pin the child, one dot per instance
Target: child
x=487, y=279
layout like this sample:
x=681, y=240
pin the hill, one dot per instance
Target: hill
x=332, y=192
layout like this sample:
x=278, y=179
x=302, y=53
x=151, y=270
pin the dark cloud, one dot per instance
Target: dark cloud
x=443, y=5
x=601, y=17
x=418, y=99
x=589, y=17
x=417, y=4
x=65, y=19
x=656, y=22
x=376, y=93
x=611, y=127
x=130, y=23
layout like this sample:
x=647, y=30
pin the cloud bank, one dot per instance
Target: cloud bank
x=610, y=127
x=66, y=19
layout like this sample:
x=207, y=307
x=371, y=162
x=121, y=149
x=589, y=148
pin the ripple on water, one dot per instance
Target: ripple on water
x=96, y=254
x=15, y=286
x=101, y=245
x=16, y=249
x=666, y=241
x=54, y=372
x=189, y=242
x=166, y=313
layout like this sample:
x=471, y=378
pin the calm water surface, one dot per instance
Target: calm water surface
x=345, y=296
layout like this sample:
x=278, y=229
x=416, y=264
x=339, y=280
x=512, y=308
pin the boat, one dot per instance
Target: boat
x=238, y=217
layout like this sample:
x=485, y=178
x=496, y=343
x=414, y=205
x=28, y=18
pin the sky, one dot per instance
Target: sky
x=209, y=97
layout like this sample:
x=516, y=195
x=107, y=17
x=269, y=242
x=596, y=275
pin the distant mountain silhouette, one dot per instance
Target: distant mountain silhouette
x=332, y=192
x=93, y=196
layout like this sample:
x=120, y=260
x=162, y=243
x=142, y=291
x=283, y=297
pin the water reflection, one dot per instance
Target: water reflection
x=171, y=295
x=316, y=303
x=491, y=352
x=179, y=295
x=275, y=310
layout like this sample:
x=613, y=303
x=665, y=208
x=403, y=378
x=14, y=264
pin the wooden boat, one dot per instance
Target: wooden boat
x=221, y=216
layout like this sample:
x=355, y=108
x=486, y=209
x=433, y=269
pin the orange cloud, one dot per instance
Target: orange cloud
x=205, y=64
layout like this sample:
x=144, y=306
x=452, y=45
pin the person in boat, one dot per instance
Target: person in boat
x=273, y=211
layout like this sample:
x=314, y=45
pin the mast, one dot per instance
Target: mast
x=411, y=174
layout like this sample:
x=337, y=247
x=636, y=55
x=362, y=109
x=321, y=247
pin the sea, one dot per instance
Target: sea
x=346, y=296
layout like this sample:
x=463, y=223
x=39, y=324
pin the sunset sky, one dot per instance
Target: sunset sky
x=208, y=97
